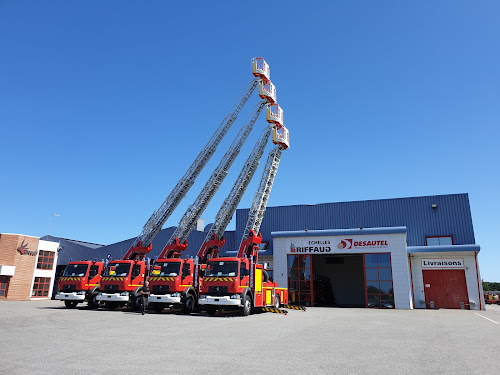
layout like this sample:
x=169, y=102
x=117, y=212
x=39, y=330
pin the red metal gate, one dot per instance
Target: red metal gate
x=445, y=289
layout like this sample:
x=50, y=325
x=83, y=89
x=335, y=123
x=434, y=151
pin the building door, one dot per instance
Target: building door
x=300, y=286
x=445, y=289
x=4, y=286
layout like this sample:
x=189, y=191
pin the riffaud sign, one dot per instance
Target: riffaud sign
x=351, y=244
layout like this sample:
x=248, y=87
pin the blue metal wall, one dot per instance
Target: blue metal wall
x=451, y=217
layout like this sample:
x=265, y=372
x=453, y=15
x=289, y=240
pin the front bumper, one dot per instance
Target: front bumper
x=164, y=298
x=72, y=296
x=220, y=301
x=112, y=297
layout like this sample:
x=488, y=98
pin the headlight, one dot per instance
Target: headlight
x=174, y=295
x=100, y=293
x=81, y=292
x=123, y=293
x=203, y=297
x=235, y=296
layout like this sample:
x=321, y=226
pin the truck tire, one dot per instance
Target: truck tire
x=158, y=307
x=188, y=305
x=110, y=305
x=211, y=310
x=93, y=302
x=70, y=304
x=277, y=302
x=137, y=303
x=247, y=306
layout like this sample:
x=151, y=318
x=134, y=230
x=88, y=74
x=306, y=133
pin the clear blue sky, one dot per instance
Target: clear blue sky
x=104, y=105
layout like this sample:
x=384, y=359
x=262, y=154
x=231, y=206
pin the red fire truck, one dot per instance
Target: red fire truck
x=80, y=282
x=175, y=282
x=123, y=278
x=491, y=299
x=240, y=283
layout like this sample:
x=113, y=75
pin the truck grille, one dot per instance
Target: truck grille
x=110, y=288
x=217, y=290
x=160, y=289
x=69, y=288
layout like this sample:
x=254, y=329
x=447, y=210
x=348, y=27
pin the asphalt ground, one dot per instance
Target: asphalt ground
x=43, y=337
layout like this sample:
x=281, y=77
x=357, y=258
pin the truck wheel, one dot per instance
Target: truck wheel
x=137, y=304
x=93, y=302
x=188, y=306
x=110, y=305
x=277, y=302
x=70, y=304
x=247, y=306
x=158, y=307
x=211, y=310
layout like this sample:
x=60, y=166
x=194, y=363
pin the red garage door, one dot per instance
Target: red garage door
x=445, y=289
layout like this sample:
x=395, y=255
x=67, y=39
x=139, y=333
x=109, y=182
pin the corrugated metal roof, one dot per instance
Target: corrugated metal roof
x=71, y=250
x=452, y=217
x=339, y=232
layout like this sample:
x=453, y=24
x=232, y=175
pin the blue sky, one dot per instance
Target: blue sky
x=104, y=105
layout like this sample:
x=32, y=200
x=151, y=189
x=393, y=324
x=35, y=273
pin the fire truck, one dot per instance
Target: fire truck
x=175, y=282
x=123, y=278
x=80, y=282
x=491, y=299
x=241, y=283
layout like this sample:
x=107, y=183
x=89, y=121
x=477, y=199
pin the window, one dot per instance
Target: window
x=78, y=270
x=224, y=269
x=94, y=270
x=186, y=270
x=117, y=269
x=41, y=287
x=45, y=260
x=439, y=240
x=4, y=285
x=378, y=279
x=136, y=270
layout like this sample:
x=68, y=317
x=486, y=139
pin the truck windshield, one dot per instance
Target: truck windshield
x=217, y=268
x=166, y=269
x=118, y=269
x=76, y=270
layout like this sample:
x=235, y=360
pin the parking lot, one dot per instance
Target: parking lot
x=43, y=337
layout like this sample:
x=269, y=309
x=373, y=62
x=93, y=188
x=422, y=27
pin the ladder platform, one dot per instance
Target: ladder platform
x=275, y=115
x=267, y=91
x=281, y=137
x=260, y=69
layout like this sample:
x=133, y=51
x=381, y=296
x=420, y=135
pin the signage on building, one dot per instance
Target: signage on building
x=352, y=244
x=443, y=263
x=24, y=250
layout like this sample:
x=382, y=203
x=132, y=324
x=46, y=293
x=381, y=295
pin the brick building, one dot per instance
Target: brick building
x=27, y=267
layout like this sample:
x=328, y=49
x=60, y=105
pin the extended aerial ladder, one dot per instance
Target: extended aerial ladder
x=175, y=282
x=214, y=240
x=240, y=282
x=251, y=238
x=178, y=240
x=143, y=243
x=123, y=278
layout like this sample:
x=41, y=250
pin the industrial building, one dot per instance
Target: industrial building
x=417, y=252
